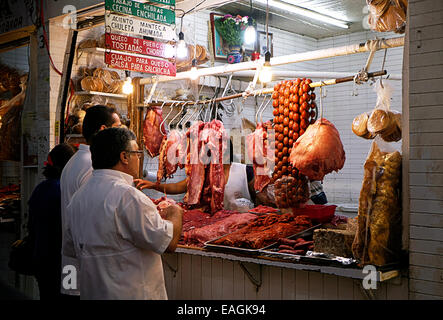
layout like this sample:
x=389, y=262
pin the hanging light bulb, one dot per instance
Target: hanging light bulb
x=169, y=51
x=266, y=71
x=182, y=50
x=194, y=74
x=250, y=34
x=127, y=86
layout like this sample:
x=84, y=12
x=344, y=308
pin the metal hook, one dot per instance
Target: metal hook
x=192, y=113
x=321, y=100
x=178, y=113
x=258, y=111
x=184, y=116
x=164, y=119
x=214, y=106
x=201, y=88
x=264, y=107
x=201, y=110
x=209, y=107
x=208, y=117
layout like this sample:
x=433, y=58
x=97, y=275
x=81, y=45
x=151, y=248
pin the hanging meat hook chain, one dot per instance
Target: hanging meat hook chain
x=362, y=75
x=382, y=67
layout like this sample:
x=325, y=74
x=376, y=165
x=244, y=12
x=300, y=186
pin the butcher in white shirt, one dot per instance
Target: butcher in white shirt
x=115, y=231
x=77, y=171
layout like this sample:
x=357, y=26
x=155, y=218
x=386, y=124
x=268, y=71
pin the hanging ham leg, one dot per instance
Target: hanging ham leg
x=318, y=151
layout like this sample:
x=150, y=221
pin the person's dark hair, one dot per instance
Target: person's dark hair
x=231, y=151
x=107, y=145
x=95, y=117
x=57, y=159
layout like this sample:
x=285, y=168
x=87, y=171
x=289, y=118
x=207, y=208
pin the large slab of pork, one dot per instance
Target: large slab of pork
x=217, y=145
x=195, y=170
x=318, y=151
x=172, y=154
x=152, y=135
x=204, y=168
x=257, y=146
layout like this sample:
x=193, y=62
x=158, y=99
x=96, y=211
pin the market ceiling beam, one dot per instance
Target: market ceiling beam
x=187, y=5
x=282, y=60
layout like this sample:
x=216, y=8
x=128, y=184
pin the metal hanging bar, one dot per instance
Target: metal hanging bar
x=287, y=59
x=271, y=90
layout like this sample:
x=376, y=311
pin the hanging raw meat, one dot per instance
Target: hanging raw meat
x=172, y=154
x=204, y=166
x=195, y=171
x=162, y=159
x=319, y=151
x=151, y=131
x=257, y=144
x=217, y=145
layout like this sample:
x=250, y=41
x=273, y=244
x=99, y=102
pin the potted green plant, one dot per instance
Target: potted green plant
x=231, y=30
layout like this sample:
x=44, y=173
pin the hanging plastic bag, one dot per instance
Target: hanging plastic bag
x=387, y=15
x=382, y=121
x=241, y=205
x=378, y=237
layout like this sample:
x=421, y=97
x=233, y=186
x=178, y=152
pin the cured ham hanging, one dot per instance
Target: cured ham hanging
x=319, y=151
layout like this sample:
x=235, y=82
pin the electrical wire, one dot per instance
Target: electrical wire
x=46, y=43
x=45, y=38
x=267, y=14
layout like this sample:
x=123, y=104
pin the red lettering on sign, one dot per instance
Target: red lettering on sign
x=140, y=46
x=138, y=64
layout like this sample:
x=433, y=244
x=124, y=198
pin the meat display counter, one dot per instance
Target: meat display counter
x=322, y=265
x=198, y=273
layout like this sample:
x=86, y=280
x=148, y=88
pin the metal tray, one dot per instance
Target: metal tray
x=216, y=247
x=302, y=234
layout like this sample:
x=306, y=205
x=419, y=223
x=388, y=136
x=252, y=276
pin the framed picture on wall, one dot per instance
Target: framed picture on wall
x=262, y=43
x=220, y=49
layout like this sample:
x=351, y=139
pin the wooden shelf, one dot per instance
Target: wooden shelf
x=105, y=94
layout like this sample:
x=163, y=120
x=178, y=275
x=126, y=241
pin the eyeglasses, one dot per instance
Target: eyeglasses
x=138, y=152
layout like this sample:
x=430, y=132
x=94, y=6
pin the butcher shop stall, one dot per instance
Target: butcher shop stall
x=307, y=114
x=286, y=131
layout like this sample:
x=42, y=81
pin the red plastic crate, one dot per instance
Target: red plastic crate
x=317, y=212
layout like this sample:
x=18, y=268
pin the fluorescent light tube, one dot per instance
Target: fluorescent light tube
x=305, y=12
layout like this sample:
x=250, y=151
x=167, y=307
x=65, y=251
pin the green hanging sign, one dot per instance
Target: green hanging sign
x=143, y=10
